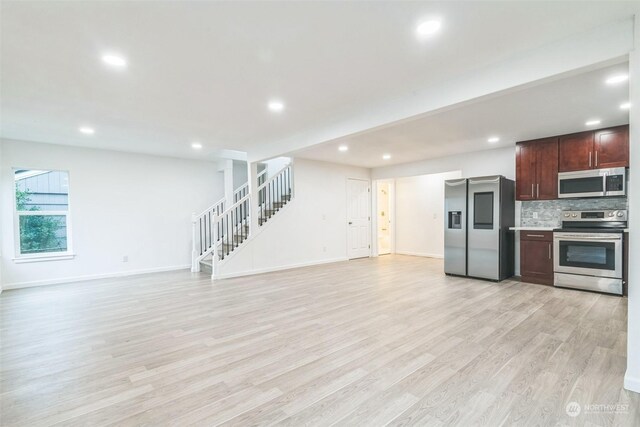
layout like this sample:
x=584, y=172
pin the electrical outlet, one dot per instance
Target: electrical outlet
x=125, y=258
x=535, y=215
x=324, y=249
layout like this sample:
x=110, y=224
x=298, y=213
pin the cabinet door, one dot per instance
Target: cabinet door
x=611, y=147
x=536, y=261
x=575, y=152
x=525, y=171
x=547, y=169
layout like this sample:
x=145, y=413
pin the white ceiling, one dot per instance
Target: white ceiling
x=553, y=108
x=205, y=70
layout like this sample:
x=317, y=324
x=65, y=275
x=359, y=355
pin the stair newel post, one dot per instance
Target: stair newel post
x=195, y=265
x=214, y=253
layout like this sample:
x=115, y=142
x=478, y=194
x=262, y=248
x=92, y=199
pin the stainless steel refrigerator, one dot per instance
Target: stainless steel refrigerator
x=477, y=239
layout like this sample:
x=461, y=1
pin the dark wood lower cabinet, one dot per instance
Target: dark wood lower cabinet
x=536, y=257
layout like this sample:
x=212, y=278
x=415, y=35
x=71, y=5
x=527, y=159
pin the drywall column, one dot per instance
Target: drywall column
x=632, y=377
x=252, y=177
x=226, y=167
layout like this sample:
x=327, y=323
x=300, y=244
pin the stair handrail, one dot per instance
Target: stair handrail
x=215, y=219
x=211, y=249
x=242, y=187
x=221, y=202
x=222, y=220
x=240, y=192
x=227, y=224
x=232, y=207
x=275, y=175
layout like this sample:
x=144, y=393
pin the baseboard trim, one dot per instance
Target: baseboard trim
x=21, y=285
x=279, y=268
x=631, y=383
x=422, y=254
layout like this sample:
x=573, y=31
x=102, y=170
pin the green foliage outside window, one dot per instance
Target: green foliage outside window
x=39, y=233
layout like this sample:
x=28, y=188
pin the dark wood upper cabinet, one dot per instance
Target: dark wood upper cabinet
x=604, y=148
x=539, y=161
x=611, y=147
x=537, y=169
x=547, y=169
x=526, y=159
x=575, y=152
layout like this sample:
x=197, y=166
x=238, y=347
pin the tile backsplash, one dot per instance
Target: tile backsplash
x=549, y=210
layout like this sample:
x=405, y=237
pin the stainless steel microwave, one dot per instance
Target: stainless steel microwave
x=592, y=183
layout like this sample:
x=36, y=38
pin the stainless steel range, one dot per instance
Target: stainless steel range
x=588, y=250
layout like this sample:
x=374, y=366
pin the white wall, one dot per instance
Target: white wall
x=312, y=229
x=120, y=204
x=419, y=222
x=632, y=376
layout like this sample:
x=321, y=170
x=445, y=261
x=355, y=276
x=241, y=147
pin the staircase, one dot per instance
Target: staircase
x=226, y=226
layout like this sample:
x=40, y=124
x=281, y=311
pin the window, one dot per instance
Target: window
x=42, y=213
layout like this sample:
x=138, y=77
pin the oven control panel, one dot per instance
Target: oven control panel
x=599, y=215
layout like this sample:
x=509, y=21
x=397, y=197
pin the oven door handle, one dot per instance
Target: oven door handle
x=574, y=237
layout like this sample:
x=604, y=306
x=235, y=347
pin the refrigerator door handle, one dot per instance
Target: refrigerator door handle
x=484, y=181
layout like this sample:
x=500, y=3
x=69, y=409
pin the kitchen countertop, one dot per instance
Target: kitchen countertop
x=532, y=228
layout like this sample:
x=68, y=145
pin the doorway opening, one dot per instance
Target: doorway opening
x=384, y=217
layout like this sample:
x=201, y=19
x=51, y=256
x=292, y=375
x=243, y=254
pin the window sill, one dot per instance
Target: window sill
x=44, y=258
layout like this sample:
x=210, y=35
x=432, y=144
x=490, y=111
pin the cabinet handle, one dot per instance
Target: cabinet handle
x=532, y=191
x=549, y=250
x=538, y=190
x=596, y=159
x=589, y=158
x=535, y=235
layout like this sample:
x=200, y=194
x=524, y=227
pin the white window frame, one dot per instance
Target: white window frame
x=44, y=256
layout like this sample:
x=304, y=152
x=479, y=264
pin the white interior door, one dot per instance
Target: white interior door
x=358, y=218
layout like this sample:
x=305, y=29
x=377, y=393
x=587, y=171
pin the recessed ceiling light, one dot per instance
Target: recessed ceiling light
x=386, y=156
x=114, y=61
x=592, y=122
x=428, y=28
x=86, y=130
x=618, y=78
x=343, y=148
x=276, y=106
x=625, y=105
x=196, y=145
x=493, y=139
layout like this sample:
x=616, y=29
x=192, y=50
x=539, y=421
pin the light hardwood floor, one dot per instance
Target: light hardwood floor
x=389, y=340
